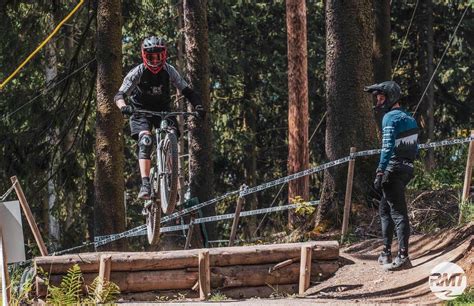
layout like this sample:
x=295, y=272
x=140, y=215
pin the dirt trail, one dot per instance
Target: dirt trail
x=361, y=279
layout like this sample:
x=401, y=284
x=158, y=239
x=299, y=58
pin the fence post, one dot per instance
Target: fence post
x=467, y=176
x=104, y=273
x=204, y=275
x=235, y=224
x=4, y=271
x=305, y=268
x=348, y=197
x=29, y=216
x=189, y=235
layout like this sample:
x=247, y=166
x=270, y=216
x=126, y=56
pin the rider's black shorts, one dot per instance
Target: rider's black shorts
x=139, y=123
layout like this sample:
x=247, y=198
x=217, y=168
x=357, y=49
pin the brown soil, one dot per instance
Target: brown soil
x=363, y=280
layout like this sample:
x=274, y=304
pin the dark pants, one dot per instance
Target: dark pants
x=393, y=207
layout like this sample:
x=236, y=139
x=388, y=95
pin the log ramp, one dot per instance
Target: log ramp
x=237, y=272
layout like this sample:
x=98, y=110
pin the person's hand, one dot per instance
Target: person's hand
x=200, y=110
x=127, y=110
x=378, y=182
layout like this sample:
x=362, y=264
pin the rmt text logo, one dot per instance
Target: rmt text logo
x=447, y=281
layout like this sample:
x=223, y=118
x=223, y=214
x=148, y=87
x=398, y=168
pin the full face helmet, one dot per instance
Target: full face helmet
x=154, y=53
x=389, y=89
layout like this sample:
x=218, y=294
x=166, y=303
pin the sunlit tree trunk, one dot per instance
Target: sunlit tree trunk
x=349, y=26
x=298, y=152
x=201, y=169
x=109, y=209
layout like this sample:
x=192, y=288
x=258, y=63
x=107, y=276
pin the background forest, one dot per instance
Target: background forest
x=48, y=112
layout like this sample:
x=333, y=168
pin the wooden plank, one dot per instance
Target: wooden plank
x=467, y=176
x=4, y=271
x=29, y=216
x=235, y=223
x=167, y=260
x=204, y=275
x=348, y=197
x=104, y=272
x=305, y=269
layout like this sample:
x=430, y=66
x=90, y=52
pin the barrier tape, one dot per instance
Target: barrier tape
x=6, y=194
x=176, y=228
x=246, y=191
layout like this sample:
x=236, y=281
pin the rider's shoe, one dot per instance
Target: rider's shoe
x=385, y=258
x=400, y=262
x=145, y=191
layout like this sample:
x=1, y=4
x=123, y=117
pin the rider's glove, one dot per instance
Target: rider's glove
x=127, y=110
x=200, y=110
x=378, y=182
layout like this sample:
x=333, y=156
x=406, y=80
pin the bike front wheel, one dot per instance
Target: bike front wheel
x=153, y=215
x=169, y=175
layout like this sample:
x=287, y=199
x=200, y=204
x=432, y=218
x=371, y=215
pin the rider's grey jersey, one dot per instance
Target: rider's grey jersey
x=134, y=77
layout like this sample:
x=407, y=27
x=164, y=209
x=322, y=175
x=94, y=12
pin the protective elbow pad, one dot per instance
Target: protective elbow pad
x=145, y=145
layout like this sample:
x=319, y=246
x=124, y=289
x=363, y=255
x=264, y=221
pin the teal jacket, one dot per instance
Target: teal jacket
x=399, y=140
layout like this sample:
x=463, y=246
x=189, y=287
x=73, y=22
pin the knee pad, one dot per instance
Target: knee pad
x=145, y=145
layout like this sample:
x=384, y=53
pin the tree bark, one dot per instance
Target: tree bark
x=201, y=169
x=425, y=70
x=109, y=182
x=349, y=26
x=298, y=152
x=382, y=53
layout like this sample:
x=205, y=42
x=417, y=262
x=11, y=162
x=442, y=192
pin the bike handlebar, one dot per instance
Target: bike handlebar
x=164, y=115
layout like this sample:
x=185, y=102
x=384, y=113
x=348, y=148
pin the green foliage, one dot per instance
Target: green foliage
x=69, y=291
x=304, y=208
x=20, y=287
x=467, y=298
x=217, y=296
x=467, y=211
x=108, y=294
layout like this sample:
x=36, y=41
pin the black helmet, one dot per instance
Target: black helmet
x=390, y=89
x=154, y=53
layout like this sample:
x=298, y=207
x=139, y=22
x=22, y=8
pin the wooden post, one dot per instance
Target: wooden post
x=204, y=275
x=348, y=198
x=468, y=175
x=29, y=216
x=190, y=234
x=305, y=268
x=4, y=271
x=104, y=272
x=235, y=224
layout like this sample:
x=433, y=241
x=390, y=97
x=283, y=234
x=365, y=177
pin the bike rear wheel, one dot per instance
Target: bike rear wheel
x=169, y=173
x=153, y=216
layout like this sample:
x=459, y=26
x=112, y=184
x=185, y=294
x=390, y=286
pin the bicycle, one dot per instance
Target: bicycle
x=163, y=174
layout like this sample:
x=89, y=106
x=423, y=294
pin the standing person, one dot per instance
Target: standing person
x=148, y=87
x=394, y=171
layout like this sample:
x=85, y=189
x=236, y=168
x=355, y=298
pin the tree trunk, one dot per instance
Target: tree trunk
x=425, y=69
x=109, y=182
x=382, y=53
x=349, y=123
x=201, y=169
x=298, y=153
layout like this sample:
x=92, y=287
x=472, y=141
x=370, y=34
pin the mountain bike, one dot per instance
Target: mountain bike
x=163, y=173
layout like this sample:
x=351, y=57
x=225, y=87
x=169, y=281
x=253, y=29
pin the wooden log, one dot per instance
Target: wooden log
x=204, y=275
x=104, y=272
x=221, y=277
x=189, y=236
x=348, y=197
x=235, y=224
x=467, y=176
x=305, y=269
x=225, y=256
x=29, y=216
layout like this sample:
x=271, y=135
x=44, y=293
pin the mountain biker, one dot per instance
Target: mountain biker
x=394, y=171
x=148, y=87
